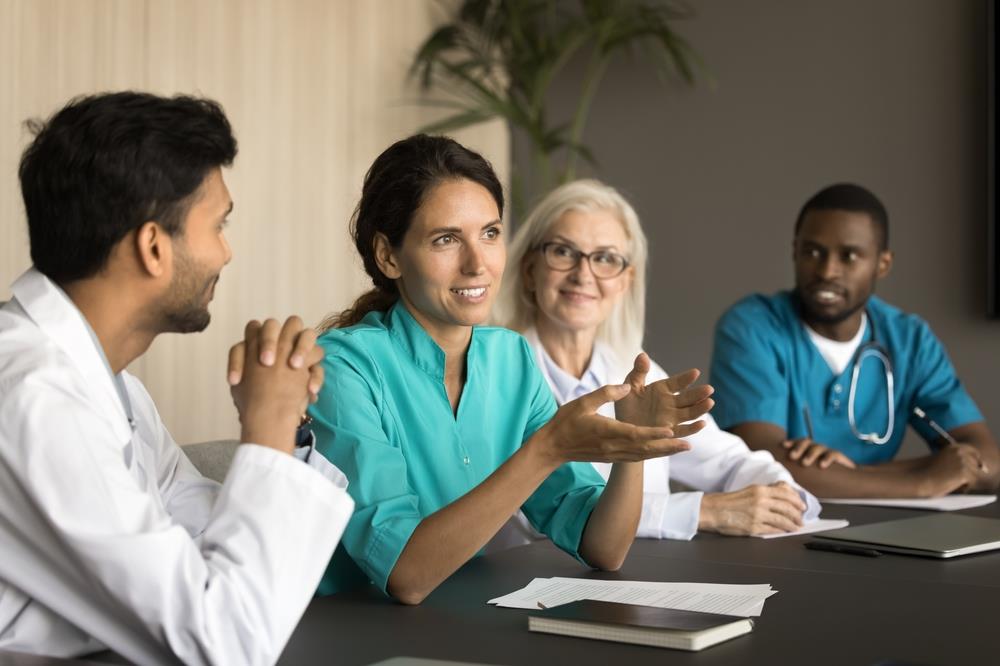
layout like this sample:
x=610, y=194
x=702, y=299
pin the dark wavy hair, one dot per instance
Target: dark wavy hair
x=394, y=188
x=106, y=164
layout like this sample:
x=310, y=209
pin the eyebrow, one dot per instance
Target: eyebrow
x=458, y=230
x=566, y=241
x=229, y=209
x=846, y=246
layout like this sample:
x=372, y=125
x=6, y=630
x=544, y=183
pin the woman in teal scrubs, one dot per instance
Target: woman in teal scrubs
x=446, y=428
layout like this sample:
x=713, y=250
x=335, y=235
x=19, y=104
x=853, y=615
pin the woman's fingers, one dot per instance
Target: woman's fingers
x=591, y=402
x=679, y=382
x=790, y=495
x=637, y=375
x=691, y=412
x=688, y=429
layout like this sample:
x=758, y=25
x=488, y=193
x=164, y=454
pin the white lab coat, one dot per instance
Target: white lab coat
x=111, y=538
x=717, y=461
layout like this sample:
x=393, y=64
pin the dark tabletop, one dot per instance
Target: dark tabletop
x=830, y=608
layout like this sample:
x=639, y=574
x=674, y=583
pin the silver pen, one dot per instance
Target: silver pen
x=921, y=414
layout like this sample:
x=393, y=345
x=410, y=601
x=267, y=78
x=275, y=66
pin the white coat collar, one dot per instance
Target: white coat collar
x=59, y=320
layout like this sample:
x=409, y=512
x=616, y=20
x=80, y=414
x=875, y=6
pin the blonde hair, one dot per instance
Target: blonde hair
x=515, y=306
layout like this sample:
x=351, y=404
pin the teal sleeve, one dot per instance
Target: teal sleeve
x=352, y=433
x=748, y=370
x=562, y=504
x=938, y=390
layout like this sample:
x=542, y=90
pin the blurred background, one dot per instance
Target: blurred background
x=785, y=97
x=314, y=89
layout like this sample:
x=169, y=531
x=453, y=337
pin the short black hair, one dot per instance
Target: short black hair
x=105, y=164
x=849, y=197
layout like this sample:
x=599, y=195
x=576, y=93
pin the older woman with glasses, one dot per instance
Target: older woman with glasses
x=576, y=290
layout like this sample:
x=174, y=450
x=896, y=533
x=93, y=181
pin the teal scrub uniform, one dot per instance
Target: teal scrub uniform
x=384, y=419
x=766, y=368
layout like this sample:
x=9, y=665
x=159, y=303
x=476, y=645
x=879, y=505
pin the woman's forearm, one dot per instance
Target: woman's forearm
x=613, y=523
x=448, y=538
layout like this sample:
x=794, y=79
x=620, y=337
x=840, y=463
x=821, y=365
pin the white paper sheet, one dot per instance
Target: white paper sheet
x=818, y=525
x=946, y=503
x=741, y=600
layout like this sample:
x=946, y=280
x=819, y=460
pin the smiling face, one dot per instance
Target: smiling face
x=450, y=263
x=575, y=300
x=200, y=252
x=837, y=263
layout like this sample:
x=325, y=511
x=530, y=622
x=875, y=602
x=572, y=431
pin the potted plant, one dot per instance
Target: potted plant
x=498, y=58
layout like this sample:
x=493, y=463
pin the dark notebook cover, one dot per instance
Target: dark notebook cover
x=640, y=617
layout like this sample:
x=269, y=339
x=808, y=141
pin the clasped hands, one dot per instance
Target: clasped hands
x=273, y=394
x=652, y=419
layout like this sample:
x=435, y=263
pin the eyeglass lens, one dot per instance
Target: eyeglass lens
x=603, y=264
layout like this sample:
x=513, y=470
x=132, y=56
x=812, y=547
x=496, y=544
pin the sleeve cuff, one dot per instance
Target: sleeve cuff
x=670, y=515
x=386, y=547
x=313, y=458
x=318, y=472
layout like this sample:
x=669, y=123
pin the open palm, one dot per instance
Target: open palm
x=673, y=402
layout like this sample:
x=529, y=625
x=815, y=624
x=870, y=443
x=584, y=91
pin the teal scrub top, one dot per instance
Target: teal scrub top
x=765, y=368
x=384, y=419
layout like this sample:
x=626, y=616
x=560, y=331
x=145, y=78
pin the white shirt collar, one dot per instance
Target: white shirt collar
x=565, y=386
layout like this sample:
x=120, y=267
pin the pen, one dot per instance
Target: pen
x=921, y=414
x=842, y=548
x=809, y=422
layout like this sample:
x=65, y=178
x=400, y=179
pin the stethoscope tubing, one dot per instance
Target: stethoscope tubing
x=872, y=349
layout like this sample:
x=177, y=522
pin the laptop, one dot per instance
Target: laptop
x=940, y=535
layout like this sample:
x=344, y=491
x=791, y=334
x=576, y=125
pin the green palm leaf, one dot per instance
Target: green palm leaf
x=498, y=58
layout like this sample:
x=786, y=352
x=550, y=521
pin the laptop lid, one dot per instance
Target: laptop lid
x=941, y=535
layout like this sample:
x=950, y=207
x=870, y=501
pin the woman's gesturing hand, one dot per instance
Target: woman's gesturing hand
x=673, y=402
x=578, y=433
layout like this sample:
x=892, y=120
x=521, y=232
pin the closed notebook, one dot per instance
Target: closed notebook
x=641, y=625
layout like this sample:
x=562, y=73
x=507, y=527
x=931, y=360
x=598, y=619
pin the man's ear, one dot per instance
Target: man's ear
x=385, y=257
x=154, y=249
x=884, y=263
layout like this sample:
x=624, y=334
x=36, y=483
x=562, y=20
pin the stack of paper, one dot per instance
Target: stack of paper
x=816, y=525
x=741, y=600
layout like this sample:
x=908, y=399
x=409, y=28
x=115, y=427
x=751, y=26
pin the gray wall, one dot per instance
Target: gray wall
x=887, y=93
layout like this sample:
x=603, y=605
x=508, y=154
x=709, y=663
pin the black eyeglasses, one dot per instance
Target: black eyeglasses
x=604, y=264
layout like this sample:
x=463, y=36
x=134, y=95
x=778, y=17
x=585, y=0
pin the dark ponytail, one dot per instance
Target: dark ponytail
x=393, y=190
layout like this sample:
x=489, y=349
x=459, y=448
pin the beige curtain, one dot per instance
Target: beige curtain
x=315, y=90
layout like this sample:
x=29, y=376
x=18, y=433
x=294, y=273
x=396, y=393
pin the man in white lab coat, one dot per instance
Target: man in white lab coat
x=108, y=536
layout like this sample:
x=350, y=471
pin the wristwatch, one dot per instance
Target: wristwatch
x=305, y=438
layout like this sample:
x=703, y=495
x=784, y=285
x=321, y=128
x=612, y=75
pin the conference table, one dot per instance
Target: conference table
x=831, y=608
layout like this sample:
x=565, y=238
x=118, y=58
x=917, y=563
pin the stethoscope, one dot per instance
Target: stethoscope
x=872, y=349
